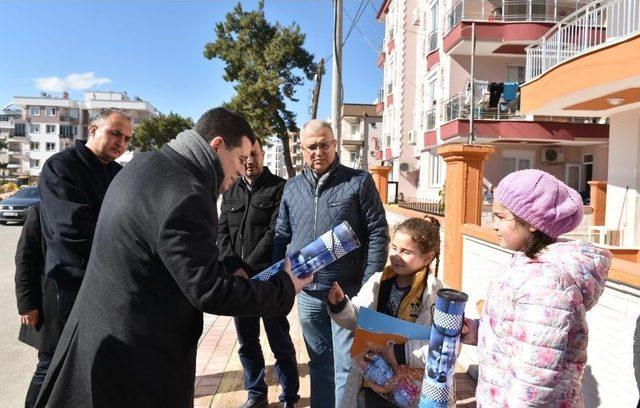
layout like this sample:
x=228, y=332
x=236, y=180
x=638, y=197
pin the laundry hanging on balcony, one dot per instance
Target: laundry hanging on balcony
x=495, y=92
x=480, y=89
x=510, y=91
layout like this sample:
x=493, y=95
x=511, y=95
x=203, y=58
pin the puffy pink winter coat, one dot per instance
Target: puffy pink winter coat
x=532, y=339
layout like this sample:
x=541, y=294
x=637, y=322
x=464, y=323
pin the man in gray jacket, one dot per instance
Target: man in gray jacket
x=324, y=195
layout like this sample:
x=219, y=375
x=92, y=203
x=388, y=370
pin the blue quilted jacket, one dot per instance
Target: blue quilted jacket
x=310, y=207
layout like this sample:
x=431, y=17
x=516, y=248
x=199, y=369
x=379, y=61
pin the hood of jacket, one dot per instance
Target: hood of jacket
x=586, y=264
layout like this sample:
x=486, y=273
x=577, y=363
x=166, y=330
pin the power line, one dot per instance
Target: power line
x=354, y=21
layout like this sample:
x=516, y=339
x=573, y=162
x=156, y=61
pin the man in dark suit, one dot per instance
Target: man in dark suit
x=245, y=236
x=72, y=186
x=132, y=335
x=36, y=298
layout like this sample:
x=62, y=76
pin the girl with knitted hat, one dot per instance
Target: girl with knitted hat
x=532, y=333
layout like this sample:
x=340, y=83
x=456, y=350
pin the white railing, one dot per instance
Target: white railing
x=511, y=11
x=458, y=107
x=593, y=25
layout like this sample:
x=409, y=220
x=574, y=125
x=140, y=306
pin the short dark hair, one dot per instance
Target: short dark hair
x=226, y=124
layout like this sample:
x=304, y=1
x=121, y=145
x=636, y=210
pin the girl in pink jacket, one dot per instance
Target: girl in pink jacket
x=532, y=334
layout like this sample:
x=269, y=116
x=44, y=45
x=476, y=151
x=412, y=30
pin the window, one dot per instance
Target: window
x=50, y=146
x=4, y=118
x=34, y=163
x=34, y=111
x=68, y=130
x=34, y=128
x=20, y=129
x=435, y=169
x=35, y=146
x=514, y=160
x=389, y=89
x=51, y=128
x=515, y=73
x=354, y=129
x=50, y=111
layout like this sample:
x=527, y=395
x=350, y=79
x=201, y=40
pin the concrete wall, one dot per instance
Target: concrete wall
x=609, y=379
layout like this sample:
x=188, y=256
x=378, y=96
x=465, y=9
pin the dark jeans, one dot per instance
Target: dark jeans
x=252, y=359
x=44, y=359
x=66, y=299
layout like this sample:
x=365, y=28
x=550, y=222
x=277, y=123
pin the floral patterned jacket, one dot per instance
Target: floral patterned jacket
x=532, y=338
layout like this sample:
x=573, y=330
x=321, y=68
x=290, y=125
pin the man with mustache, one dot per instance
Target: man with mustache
x=72, y=186
x=245, y=238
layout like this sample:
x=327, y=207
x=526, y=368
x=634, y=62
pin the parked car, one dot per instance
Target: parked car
x=14, y=208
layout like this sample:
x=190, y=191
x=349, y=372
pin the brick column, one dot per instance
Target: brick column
x=380, y=176
x=463, y=201
x=598, y=201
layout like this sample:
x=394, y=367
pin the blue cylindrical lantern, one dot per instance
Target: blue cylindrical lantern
x=330, y=246
x=448, y=317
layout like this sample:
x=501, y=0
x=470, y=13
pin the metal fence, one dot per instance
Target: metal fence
x=427, y=206
x=593, y=25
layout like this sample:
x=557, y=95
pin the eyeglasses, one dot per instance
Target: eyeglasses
x=321, y=147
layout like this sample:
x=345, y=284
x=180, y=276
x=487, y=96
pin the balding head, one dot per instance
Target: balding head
x=318, y=145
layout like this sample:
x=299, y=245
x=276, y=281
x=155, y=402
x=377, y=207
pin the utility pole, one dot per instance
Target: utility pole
x=316, y=91
x=336, y=77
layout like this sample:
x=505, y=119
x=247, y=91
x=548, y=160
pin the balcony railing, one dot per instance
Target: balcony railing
x=458, y=107
x=511, y=11
x=427, y=206
x=593, y=25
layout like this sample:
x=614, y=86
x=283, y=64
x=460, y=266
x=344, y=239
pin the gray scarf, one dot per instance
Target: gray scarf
x=190, y=145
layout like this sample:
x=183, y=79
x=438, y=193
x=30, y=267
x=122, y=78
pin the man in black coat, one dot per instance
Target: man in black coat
x=72, y=186
x=245, y=236
x=131, y=338
x=36, y=298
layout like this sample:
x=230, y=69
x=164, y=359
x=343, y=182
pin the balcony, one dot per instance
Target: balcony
x=582, y=31
x=587, y=64
x=502, y=27
x=381, y=59
x=458, y=107
x=380, y=103
x=511, y=11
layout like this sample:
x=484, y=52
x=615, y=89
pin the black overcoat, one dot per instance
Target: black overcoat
x=131, y=338
x=34, y=290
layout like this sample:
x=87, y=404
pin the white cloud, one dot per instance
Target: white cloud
x=72, y=82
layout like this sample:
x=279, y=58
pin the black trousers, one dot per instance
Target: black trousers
x=44, y=359
x=252, y=359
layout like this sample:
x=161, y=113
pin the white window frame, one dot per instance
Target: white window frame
x=519, y=68
x=50, y=111
x=53, y=146
x=35, y=126
x=36, y=148
x=34, y=109
x=47, y=127
x=580, y=168
x=519, y=155
x=435, y=169
x=37, y=163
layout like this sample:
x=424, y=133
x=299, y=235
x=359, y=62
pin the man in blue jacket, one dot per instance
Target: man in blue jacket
x=315, y=201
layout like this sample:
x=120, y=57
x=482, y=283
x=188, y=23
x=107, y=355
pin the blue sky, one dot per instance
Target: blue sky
x=153, y=49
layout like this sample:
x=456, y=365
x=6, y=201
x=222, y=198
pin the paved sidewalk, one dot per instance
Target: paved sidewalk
x=219, y=373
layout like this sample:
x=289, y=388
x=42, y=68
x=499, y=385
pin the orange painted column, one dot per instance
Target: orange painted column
x=598, y=201
x=380, y=176
x=463, y=201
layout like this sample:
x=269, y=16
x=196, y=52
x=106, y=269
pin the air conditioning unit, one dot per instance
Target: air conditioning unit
x=552, y=155
x=415, y=17
x=412, y=137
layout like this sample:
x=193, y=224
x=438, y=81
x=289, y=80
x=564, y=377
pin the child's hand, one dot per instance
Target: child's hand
x=383, y=389
x=469, y=333
x=336, y=294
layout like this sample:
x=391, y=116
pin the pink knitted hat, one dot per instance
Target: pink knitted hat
x=540, y=199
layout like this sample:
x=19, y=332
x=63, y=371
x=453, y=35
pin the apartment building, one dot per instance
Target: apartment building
x=274, y=156
x=16, y=147
x=360, y=129
x=50, y=124
x=434, y=50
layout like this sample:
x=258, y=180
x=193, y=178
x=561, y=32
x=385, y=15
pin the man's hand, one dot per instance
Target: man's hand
x=335, y=294
x=241, y=273
x=30, y=318
x=469, y=332
x=298, y=283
